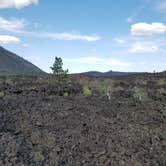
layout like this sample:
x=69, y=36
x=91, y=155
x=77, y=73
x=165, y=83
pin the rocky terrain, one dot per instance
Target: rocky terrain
x=41, y=127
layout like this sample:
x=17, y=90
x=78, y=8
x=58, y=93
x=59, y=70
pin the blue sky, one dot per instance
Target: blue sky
x=121, y=35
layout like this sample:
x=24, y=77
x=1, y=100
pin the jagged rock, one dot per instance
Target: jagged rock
x=40, y=127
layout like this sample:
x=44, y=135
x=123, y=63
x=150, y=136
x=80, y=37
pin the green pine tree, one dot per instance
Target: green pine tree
x=59, y=75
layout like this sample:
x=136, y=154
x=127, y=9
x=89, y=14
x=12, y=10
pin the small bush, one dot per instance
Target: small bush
x=162, y=82
x=2, y=94
x=66, y=94
x=87, y=92
x=104, y=86
x=140, y=94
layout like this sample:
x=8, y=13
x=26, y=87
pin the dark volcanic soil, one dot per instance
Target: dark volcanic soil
x=40, y=127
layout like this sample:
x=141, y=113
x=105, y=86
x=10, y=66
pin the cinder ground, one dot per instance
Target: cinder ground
x=40, y=127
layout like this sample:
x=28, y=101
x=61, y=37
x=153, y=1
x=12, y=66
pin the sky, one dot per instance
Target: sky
x=89, y=35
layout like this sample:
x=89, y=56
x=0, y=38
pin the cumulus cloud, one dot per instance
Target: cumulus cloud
x=11, y=24
x=16, y=3
x=145, y=29
x=7, y=39
x=144, y=48
x=96, y=60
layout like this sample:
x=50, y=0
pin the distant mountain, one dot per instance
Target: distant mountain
x=107, y=74
x=12, y=64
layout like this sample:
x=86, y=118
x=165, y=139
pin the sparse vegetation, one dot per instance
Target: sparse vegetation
x=52, y=122
x=2, y=94
x=87, y=92
x=140, y=94
x=162, y=81
x=102, y=85
x=66, y=94
x=105, y=85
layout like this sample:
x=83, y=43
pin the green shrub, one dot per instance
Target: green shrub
x=87, y=92
x=105, y=85
x=66, y=94
x=2, y=94
x=162, y=81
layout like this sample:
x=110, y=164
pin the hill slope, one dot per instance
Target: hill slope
x=107, y=74
x=12, y=64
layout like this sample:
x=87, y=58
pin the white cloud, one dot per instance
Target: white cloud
x=17, y=25
x=16, y=3
x=98, y=61
x=11, y=24
x=120, y=41
x=61, y=36
x=145, y=29
x=144, y=47
x=7, y=39
x=70, y=36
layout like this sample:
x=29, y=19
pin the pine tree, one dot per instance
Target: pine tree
x=58, y=74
